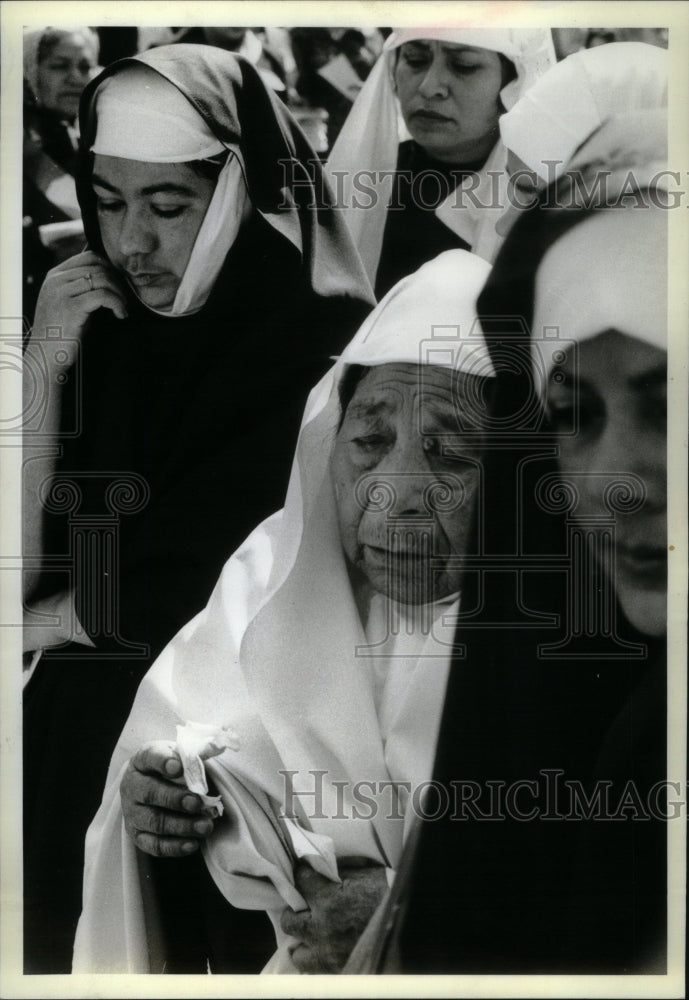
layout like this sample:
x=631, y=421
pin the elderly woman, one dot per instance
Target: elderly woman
x=321, y=658
x=432, y=181
x=58, y=63
x=560, y=733
x=210, y=299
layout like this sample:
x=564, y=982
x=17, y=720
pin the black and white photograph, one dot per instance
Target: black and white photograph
x=343, y=459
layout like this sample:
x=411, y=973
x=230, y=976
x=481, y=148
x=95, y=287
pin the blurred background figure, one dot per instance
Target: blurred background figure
x=569, y=40
x=58, y=63
x=267, y=49
x=331, y=67
x=603, y=36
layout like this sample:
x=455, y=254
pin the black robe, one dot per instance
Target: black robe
x=574, y=887
x=178, y=440
x=413, y=232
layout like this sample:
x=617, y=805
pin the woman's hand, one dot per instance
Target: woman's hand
x=337, y=915
x=72, y=291
x=161, y=815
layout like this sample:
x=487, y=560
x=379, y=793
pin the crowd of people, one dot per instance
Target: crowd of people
x=344, y=513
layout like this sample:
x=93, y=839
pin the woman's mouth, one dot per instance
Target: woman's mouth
x=146, y=278
x=434, y=117
x=386, y=556
x=647, y=562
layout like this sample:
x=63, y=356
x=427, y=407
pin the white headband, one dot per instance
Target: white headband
x=619, y=256
x=141, y=116
x=575, y=96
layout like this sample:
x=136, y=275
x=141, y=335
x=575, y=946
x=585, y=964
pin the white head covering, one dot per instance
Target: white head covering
x=142, y=116
x=32, y=43
x=562, y=110
x=281, y=655
x=614, y=248
x=371, y=134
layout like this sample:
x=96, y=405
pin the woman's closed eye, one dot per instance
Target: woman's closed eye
x=459, y=66
x=458, y=455
x=416, y=58
x=109, y=205
x=113, y=205
x=168, y=211
x=370, y=442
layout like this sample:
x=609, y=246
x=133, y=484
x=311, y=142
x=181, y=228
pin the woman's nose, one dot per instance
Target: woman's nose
x=135, y=236
x=435, y=82
x=77, y=75
x=411, y=482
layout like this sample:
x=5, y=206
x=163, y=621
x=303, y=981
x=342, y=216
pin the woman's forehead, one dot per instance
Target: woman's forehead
x=404, y=375
x=613, y=353
x=393, y=387
x=68, y=45
x=119, y=172
x=454, y=47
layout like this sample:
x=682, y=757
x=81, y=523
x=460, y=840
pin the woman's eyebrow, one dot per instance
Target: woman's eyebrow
x=95, y=179
x=368, y=408
x=166, y=187
x=169, y=188
x=440, y=411
x=469, y=50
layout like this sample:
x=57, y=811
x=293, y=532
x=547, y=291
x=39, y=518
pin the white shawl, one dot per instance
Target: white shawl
x=281, y=655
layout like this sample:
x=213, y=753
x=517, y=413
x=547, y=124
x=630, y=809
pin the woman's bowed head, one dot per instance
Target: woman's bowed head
x=181, y=192
x=449, y=96
x=406, y=479
x=405, y=474
x=380, y=512
x=149, y=216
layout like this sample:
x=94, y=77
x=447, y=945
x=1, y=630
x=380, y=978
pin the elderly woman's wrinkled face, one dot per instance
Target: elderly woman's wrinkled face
x=607, y=401
x=63, y=73
x=450, y=98
x=406, y=469
x=149, y=215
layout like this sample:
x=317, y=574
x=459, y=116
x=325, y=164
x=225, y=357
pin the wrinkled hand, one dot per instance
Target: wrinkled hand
x=337, y=914
x=161, y=815
x=67, y=297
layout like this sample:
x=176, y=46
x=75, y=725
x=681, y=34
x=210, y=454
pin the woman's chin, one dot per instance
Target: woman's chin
x=156, y=299
x=646, y=610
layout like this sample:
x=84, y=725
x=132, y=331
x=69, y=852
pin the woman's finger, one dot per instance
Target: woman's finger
x=158, y=757
x=103, y=298
x=145, y=819
x=165, y=847
x=85, y=259
x=82, y=280
x=147, y=790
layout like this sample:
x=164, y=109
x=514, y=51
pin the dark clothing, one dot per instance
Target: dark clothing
x=413, y=232
x=552, y=881
x=186, y=429
x=549, y=894
x=49, y=150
